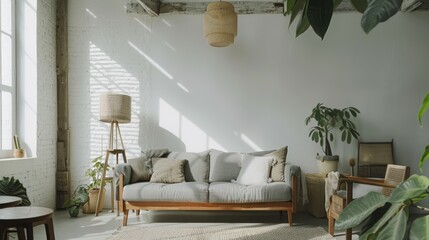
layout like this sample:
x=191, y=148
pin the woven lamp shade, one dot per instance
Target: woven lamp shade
x=220, y=24
x=115, y=107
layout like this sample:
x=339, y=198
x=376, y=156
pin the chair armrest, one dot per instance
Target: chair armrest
x=367, y=181
x=291, y=170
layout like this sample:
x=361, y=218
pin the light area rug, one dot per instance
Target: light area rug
x=221, y=232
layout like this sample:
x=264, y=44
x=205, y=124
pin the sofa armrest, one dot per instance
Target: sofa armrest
x=125, y=170
x=294, y=178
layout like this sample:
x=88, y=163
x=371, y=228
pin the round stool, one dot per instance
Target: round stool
x=9, y=201
x=26, y=218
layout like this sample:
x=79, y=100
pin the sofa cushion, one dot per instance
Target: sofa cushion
x=224, y=166
x=278, y=169
x=139, y=170
x=167, y=170
x=196, y=167
x=176, y=192
x=254, y=170
x=226, y=192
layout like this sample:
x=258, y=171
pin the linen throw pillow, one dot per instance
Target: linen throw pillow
x=254, y=170
x=278, y=169
x=167, y=170
x=224, y=166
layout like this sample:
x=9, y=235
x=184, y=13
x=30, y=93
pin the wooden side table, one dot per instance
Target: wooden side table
x=316, y=194
x=26, y=218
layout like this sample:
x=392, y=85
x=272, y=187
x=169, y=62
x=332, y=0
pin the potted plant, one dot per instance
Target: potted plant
x=327, y=119
x=386, y=218
x=79, y=198
x=95, y=172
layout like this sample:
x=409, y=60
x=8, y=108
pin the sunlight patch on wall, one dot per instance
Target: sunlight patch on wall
x=106, y=75
x=249, y=142
x=182, y=87
x=90, y=13
x=143, y=25
x=194, y=138
x=151, y=61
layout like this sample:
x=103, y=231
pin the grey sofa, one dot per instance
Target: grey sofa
x=207, y=185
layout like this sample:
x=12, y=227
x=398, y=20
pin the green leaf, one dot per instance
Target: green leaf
x=378, y=11
x=303, y=24
x=420, y=228
x=395, y=228
x=412, y=188
x=289, y=6
x=349, y=137
x=296, y=9
x=359, y=209
x=374, y=231
x=343, y=136
x=347, y=114
x=423, y=108
x=359, y=5
x=424, y=158
x=319, y=14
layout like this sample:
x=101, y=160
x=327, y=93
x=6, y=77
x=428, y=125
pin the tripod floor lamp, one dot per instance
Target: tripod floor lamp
x=114, y=109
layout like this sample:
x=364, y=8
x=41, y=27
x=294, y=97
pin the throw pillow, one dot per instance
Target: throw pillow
x=224, y=166
x=167, y=170
x=278, y=169
x=254, y=170
x=140, y=171
x=196, y=167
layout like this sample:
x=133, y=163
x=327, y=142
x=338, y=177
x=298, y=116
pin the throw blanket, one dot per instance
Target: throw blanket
x=331, y=185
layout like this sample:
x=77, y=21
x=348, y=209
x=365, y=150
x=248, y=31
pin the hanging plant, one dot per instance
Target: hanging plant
x=318, y=13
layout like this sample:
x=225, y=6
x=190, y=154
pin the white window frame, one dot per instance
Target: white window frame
x=8, y=153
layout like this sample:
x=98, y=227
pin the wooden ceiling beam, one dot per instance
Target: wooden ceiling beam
x=156, y=7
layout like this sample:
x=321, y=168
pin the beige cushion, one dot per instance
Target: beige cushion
x=167, y=170
x=278, y=169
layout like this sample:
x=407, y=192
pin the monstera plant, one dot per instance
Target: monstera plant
x=318, y=13
x=386, y=218
x=13, y=187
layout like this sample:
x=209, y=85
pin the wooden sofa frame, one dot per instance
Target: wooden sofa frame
x=290, y=206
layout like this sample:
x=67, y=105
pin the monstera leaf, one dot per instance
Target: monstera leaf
x=13, y=187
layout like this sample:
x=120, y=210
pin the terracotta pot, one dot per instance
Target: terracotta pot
x=18, y=153
x=90, y=206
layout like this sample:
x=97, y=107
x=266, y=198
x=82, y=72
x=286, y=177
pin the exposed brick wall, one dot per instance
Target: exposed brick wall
x=38, y=175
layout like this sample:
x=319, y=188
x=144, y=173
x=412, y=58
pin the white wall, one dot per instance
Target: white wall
x=36, y=102
x=252, y=95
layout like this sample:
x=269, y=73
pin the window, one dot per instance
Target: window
x=7, y=77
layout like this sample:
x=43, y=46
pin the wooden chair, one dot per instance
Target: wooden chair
x=395, y=174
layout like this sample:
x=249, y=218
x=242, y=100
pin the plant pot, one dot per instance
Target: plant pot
x=90, y=206
x=327, y=164
x=73, y=211
x=18, y=153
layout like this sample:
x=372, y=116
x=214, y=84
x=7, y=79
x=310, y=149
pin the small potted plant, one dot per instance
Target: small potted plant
x=327, y=119
x=95, y=172
x=79, y=198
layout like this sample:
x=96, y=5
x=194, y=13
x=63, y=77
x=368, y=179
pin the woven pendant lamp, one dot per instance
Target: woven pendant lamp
x=220, y=24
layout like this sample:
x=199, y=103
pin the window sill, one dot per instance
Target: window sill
x=16, y=159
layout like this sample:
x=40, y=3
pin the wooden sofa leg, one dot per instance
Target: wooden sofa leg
x=289, y=217
x=137, y=212
x=125, y=222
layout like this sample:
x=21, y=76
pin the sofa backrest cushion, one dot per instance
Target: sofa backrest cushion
x=224, y=166
x=196, y=167
x=140, y=170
